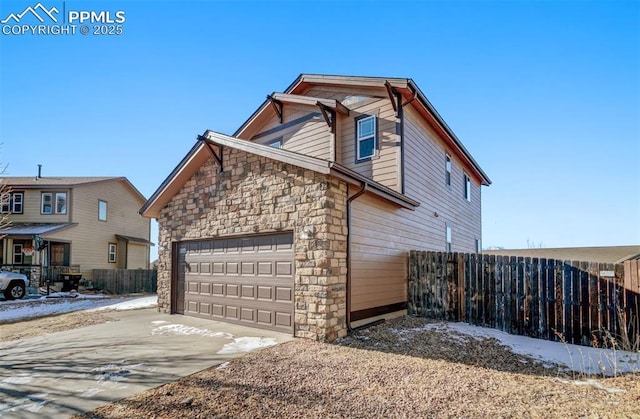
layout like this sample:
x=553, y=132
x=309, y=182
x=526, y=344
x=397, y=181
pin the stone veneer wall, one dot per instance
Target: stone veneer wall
x=256, y=194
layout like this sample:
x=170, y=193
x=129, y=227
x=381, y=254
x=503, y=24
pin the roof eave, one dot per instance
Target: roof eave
x=431, y=109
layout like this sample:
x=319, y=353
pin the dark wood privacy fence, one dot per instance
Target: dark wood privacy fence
x=125, y=281
x=578, y=302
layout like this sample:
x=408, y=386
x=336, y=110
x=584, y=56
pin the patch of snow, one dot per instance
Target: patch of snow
x=32, y=403
x=18, y=379
x=159, y=322
x=115, y=373
x=223, y=365
x=180, y=329
x=246, y=344
x=593, y=383
x=86, y=394
x=581, y=359
x=131, y=304
x=29, y=308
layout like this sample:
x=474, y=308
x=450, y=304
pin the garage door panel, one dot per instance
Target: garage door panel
x=232, y=268
x=243, y=280
x=265, y=293
x=247, y=314
x=248, y=268
x=284, y=294
x=284, y=319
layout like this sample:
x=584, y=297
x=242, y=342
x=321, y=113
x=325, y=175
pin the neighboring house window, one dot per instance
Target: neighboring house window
x=17, y=254
x=467, y=187
x=16, y=202
x=447, y=167
x=275, y=143
x=366, y=137
x=448, y=239
x=54, y=202
x=102, y=210
x=13, y=204
x=478, y=246
x=112, y=252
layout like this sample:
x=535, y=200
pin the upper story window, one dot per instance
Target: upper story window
x=467, y=187
x=447, y=168
x=366, y=137
x=54, y=203
x=277, y=143
x=14, y=203
x=102, y=210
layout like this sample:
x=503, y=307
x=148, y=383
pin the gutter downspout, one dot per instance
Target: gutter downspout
x=362, y=190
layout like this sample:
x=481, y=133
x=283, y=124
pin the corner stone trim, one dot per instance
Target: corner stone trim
x=256, y=194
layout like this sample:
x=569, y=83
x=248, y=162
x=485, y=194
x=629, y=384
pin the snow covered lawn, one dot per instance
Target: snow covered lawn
x=60, y=303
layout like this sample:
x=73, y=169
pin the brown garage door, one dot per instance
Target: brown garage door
x=245, y=280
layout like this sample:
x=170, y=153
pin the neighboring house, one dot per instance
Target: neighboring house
x=302, y=221
x=604, y=254
x=75, y=224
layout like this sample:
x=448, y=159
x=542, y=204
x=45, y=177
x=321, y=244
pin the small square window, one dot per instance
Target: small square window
x=366, y=137
x=112, y=252
x=467, y=188
x=102, y=211
x=447, y=167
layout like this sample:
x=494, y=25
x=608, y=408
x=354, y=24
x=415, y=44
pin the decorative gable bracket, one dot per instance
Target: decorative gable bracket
x=277, y=106
x=396, y=98
x=213, y=153
x=329, y=116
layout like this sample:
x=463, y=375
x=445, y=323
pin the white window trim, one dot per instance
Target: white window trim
x=448, y=237
x=112, y=251
x=54, y=203
x=106, y=210
x=359, y=139
x=14, y=195
x=467, y=187
x=448, y=165
x=50, y=195
x=275, y=143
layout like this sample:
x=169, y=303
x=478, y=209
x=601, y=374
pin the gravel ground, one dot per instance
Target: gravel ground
x=382, y=372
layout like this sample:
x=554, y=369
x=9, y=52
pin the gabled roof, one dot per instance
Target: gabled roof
x=200, y=153
x=408, y=89
x=50, y=182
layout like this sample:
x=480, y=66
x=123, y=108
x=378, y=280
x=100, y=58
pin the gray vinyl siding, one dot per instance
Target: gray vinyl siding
x=90, y=238
x=32, y=206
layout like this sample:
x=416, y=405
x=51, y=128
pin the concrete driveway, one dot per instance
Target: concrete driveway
x=61, y=374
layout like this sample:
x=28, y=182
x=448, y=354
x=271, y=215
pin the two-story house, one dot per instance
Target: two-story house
x=73, y=223
x=303, y=219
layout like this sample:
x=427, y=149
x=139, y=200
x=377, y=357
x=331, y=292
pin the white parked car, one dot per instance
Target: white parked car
x=13, y=285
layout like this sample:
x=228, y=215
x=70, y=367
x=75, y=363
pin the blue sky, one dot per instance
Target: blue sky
x=545, y=95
